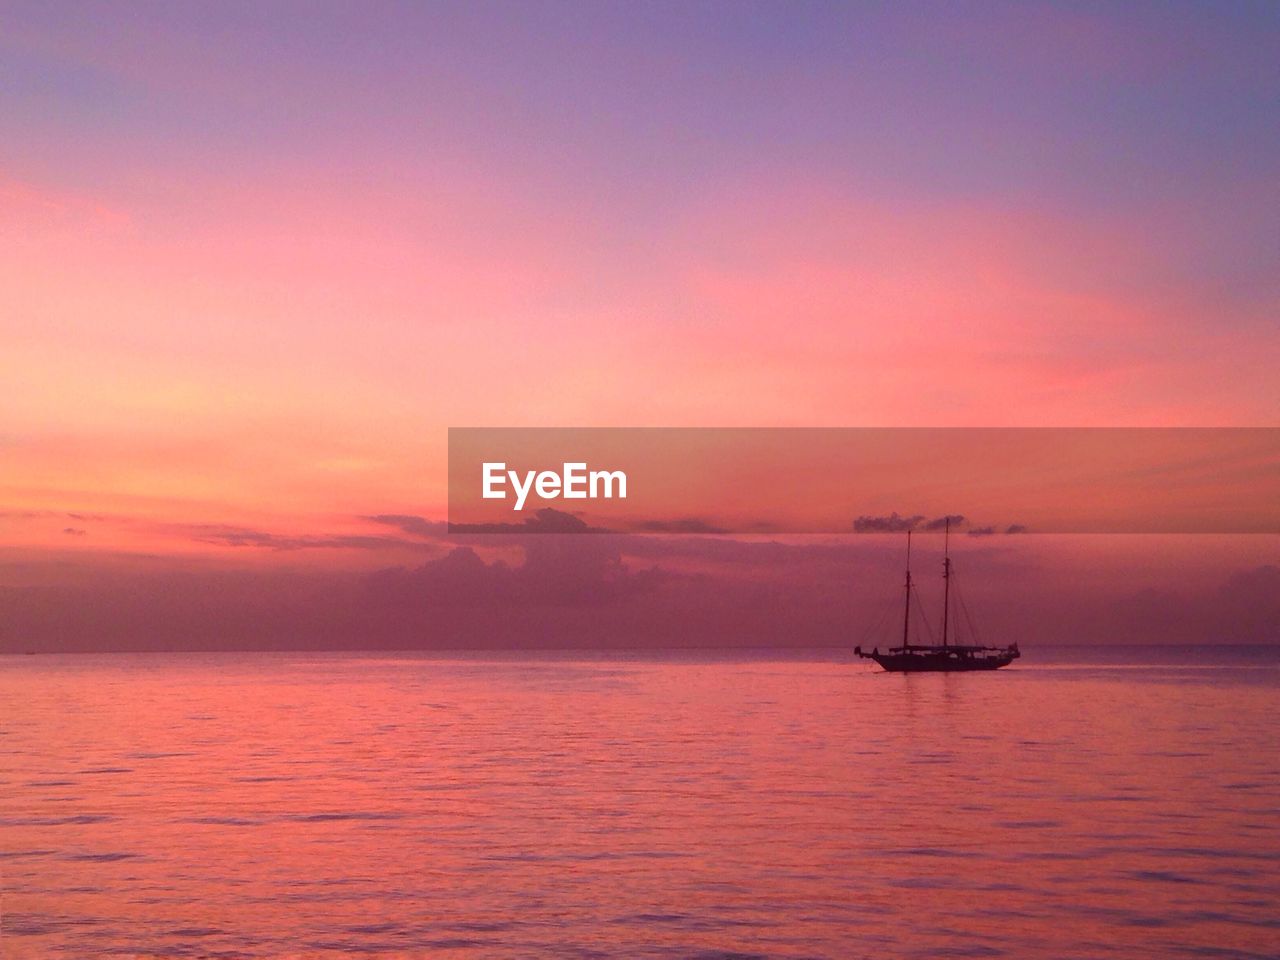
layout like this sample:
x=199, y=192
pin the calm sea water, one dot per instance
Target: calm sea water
x=299, y=805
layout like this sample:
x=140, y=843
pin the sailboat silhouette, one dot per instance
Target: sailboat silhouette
x=946, y=656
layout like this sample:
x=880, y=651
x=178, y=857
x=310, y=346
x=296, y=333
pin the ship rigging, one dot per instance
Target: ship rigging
x=946, y=656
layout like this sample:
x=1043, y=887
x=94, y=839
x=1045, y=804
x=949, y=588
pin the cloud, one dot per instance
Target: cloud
x=416, y=526
x=989, y=531
x=690, y=525
x=545, y=520
x=899, y=524
x=73, y=532
x=558, y=570
x=1254, y=597
x=890, y=524
x=608, y=592
x=50, y=514
x=248, y=537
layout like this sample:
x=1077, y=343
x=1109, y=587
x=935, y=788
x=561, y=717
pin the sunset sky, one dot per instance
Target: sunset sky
x=255, y=259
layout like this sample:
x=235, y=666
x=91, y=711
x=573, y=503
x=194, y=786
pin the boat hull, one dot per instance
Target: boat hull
x=954, y=659
x=917, y=663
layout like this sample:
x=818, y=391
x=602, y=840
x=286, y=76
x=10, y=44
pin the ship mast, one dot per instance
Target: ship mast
x=946, y=578
x=906, y=614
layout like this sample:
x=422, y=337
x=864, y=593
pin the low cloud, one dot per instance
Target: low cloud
x=689, y=525
x=561, y=571
x=412, y=525
x=545, y=520
x=890, y=524
x=608, y=591
x=896, y=523
x=248, y=537
x=989, y=531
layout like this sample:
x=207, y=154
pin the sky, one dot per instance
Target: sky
x=256, y=259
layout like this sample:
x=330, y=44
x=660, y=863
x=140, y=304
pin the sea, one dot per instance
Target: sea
x=1085, y=802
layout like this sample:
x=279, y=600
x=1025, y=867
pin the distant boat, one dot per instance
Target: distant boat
x=944, y=657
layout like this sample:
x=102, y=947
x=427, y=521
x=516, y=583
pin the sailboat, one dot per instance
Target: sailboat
x=914, y=657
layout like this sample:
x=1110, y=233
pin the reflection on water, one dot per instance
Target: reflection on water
x=265, y=805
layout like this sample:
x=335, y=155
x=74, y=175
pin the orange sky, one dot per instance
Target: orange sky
x=299, y=358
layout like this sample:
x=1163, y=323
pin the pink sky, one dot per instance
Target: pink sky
x=255, y=265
